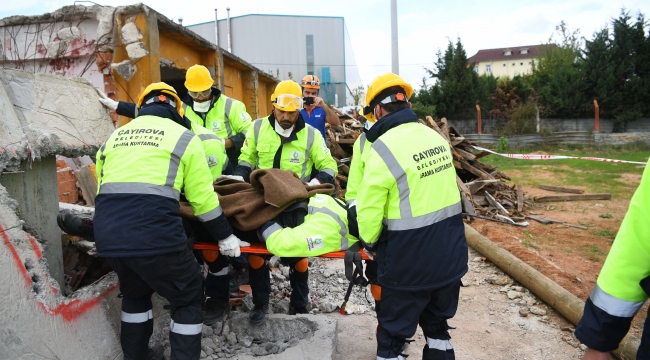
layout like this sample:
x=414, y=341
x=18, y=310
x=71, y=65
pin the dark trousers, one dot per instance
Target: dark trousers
x=401, y=312
x=178, y=278
x=299, y=282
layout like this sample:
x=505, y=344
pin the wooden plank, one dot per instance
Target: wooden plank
x=576, y=197
x=466, y=197
x=483, y=175
x=561, y=189
x=466, y=154
x=435, y=127
x=520, y=198
x=88, y=184
x=495, y=203
x=345, y=141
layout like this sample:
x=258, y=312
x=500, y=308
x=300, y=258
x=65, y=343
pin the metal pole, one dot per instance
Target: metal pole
x=393, y=36
x=229, y=48
x=216, y=27
x=597, y=115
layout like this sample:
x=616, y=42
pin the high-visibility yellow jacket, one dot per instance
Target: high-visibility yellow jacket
x=214, y=149
x=623, y=285
x=408, y=205
x=324, y=230
x=356, y=169
x=302, y=150
x=227, y=118
x=142, y=168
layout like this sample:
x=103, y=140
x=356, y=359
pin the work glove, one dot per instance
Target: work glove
x=231, y=177
x=313, y=182
x=230, y=246
x=106, y=101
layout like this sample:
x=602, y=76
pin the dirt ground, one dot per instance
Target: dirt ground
x=569, y=256
x=488, y=323
x=488, y=326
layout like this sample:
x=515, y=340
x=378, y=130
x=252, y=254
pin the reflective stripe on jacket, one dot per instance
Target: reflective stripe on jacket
x=304, y=148
x=142, y=168
x=324, y=230
x=409, y=205
x=623, y=285
x=356, y=169
x=226, y=117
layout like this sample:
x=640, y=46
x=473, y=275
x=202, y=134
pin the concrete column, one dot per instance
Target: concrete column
x=250, y=83
x=37, y=195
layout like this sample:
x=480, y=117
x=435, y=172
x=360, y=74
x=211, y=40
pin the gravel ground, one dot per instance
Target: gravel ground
x=496, y=319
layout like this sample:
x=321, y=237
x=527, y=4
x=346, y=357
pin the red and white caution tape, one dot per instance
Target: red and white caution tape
x=556, y=157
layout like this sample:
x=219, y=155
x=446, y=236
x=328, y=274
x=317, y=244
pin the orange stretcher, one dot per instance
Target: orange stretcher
x=260, y=249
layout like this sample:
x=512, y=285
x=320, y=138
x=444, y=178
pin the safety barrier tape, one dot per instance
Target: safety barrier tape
x=556, y=157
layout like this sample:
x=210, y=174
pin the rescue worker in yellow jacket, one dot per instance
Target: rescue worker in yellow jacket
x=410, y=218
x=142, y=168
x=623, y=285
x=284, y=141
x=355, y=176
x=205, y=106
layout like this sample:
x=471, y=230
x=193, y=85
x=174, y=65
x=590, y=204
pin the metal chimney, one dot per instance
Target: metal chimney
x=229, y=39
x=216, y=27
x=393, y=36
x=180, y=20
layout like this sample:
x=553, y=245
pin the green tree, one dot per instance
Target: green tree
x=455, y=92
x=556, y=75
x=357, y=94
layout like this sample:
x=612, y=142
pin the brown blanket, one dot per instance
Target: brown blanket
x=271, y=191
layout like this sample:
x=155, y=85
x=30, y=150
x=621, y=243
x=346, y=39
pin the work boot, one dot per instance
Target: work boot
x=258, y=314
x=297, y=310
x=239, y=278
x=155, y=352
x=215, y=310
x=75, y=225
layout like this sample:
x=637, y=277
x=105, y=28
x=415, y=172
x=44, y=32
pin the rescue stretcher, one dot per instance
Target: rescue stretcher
x=260, y=249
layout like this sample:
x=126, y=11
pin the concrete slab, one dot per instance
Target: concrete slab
x=319, y=345
x=45, y=115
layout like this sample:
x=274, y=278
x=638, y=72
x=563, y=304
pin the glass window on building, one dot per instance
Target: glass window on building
x=310, y=54
x=488, y=68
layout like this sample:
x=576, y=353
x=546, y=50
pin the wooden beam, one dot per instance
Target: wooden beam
x=576, y=197
x=520, y=198
x=561, y=189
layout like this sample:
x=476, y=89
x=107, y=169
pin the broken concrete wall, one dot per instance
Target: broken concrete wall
x=45, y=115
x=42, y=116
x=36, y=320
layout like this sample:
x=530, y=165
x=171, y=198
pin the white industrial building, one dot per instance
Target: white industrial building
x=292, y=46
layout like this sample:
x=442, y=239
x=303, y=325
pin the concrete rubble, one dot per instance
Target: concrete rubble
x=46, y=115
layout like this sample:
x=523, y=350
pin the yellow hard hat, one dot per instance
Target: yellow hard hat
x=164, y=89
x=311, y=82
x=380, y=91
x=287, y=96
x=198, y=78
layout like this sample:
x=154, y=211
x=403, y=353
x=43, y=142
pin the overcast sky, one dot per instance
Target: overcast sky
x=424, y=26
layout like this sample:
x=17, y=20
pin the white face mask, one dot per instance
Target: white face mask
x=281, y=131
x=201, y=106
x=368, y=125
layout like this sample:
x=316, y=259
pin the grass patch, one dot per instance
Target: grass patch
x=593, y=252
x=598, y=177
x=606, y=233
x=529, y=244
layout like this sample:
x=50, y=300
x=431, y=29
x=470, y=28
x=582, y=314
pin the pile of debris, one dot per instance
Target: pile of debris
x=484, y=188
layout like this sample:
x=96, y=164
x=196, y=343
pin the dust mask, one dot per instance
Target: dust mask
x=368, y=124
x=201, y=107
x=281, y=131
